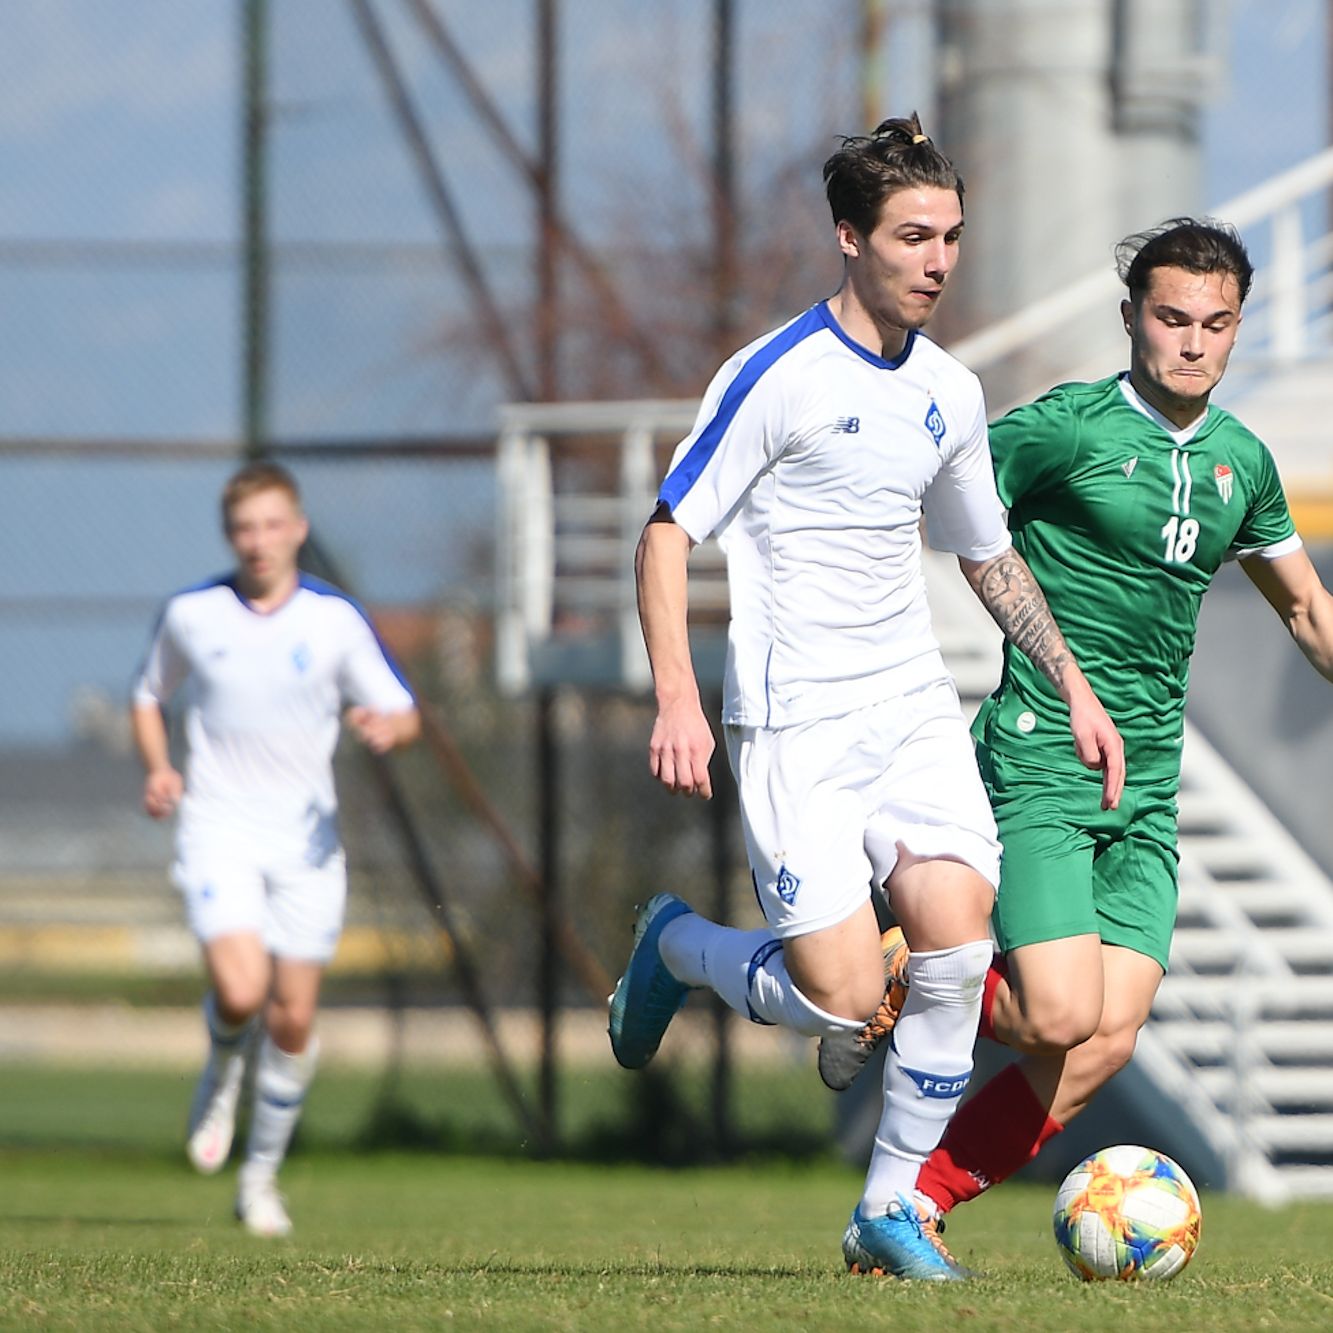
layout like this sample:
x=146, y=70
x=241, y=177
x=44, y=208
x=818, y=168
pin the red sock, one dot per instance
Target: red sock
x=998, y=971
x=1000, y=1129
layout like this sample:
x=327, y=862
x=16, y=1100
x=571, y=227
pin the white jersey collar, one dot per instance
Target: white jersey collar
x=1179, y=434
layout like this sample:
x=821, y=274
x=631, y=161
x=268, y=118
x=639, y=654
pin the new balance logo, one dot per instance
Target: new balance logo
x=847, y=426
x=1128, y=468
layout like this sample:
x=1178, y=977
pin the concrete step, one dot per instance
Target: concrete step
x=1292, y=1133
x=1306, y=1182
x=1308, y=1089
x=1186, y=996
x=1304, y=948
x=1265, y=902
x=1214, y=1041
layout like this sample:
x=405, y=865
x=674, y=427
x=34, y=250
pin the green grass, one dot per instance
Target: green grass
x=603, y=1113
x=103, y=1226
x=392, y=1240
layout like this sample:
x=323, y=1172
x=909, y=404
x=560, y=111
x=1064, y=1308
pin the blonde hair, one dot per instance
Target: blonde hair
x=251, y=480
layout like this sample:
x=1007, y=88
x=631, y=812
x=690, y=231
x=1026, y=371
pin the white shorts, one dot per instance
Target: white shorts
x=295, y=907
x=825, y=804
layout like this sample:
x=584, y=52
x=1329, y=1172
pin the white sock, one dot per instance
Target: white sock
x=927, y=1067
x=281, y=1080
x=747, y=969
x=226, y=1043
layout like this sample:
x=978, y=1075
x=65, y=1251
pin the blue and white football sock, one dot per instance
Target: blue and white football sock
x=747, y=969
x=281, y=1080
x=926, y=1068
x=225, y=1039
x=228, y=1044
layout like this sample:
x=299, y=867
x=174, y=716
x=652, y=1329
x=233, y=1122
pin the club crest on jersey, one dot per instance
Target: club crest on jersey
x=847, y=426
x=935, y=423
x=787, y=885
x=1222, y=476
x=301, y=658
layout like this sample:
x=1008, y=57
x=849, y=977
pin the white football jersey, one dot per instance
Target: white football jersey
x=264, y=694
x=813, y=460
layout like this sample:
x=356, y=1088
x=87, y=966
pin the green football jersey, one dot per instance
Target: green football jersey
x=1124, y=529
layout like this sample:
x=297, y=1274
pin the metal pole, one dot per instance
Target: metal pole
x=494, y=326
x=548, y=971
x=547, y=382
x=548, y=294
x=724, y=180
x=872, y=34
x=254, y=223
x=723, y=803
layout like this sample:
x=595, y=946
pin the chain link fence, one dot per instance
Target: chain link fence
x=449, y=207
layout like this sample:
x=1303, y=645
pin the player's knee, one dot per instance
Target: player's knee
x=1116, y=1050
x=854, y=997
x=290, y=1024
x=859, y=996
x=240, y=998
x=1061, y=1027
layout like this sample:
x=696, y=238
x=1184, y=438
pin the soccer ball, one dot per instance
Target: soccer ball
x=1127, y=1213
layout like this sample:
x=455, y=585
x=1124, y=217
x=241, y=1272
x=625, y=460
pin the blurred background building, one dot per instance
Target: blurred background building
x=402, y=245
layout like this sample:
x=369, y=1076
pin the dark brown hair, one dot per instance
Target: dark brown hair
x=868, y=168
x=1198, y=245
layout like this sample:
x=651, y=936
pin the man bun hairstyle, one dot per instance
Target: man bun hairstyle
x=1198, y=245
x=899, y=155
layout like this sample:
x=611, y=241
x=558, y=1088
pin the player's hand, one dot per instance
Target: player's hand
x=680, y=748
x=162, y=791
x=1098, y=745
x=376, y=731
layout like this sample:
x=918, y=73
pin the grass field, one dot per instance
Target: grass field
x=103, y=1226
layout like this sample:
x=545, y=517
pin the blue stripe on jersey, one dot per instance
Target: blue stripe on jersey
x=815, y=320
x=318, y=586
x=686, y=473
x=217, y=581
x=864, y=352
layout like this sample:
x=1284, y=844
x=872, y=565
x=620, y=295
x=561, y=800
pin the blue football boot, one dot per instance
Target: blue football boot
x=901, y=1244
x=647, y=997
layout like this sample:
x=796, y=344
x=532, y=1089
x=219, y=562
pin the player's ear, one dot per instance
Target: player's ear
x=849, y=240
x=1127, y=315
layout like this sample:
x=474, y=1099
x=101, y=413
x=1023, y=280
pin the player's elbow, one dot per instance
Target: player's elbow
x=661, y=536
x=409, y=727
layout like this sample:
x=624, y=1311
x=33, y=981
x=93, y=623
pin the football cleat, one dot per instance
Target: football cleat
x=647, y=997
x=842, y=1057
x=902, y=1244
x=212, y=1121
x=260, y=1208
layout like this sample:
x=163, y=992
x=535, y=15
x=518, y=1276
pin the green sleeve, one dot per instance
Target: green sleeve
x=1267, y=520
x=1031, y=447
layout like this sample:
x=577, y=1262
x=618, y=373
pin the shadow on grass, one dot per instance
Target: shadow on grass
x=657, y=1127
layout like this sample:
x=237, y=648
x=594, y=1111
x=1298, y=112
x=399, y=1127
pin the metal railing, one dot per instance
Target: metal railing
x=1288, y=314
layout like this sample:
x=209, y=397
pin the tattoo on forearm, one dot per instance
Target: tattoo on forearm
x=1010, y=593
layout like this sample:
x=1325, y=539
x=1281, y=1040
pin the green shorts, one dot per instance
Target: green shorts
x=1071, y=868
